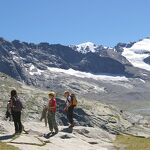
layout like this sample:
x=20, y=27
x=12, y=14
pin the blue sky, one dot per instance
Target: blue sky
x=105, y=22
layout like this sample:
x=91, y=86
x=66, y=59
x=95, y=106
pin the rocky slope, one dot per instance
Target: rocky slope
x=86, y=114
x=22, y=60
x=97, y=124
x=79, y=138
x=93, y=72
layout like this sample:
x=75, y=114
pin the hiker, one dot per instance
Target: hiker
x=69, y=108
x=16, y=108
x=8, y=112
x=51, y=113
x=44, y=115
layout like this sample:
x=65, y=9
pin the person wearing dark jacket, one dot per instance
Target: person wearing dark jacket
x=16, y=108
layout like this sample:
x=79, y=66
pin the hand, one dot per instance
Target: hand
x=65, y=109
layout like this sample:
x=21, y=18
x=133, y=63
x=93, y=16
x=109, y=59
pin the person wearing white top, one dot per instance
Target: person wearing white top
x=69, y=108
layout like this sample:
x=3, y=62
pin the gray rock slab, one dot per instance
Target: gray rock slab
x=25, y=139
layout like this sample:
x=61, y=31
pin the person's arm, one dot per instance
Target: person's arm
x=22, y=105
x=45, y=109
x=11, y=104
x=9, y=107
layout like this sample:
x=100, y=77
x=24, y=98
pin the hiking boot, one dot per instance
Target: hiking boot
x=56, y=131
x=53, y=133
x=72, y=125
x=17, y=133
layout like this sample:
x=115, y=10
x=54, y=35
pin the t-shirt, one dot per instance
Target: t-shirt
x=68, y=101
x=52, y=103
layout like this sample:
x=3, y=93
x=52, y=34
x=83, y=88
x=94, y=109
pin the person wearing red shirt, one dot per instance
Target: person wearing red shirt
x=51, y=112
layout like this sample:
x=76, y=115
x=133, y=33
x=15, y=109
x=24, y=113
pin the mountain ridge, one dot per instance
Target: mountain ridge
x=103, y=76
x=102, y=60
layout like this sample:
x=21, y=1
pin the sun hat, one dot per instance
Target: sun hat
x=52, y=93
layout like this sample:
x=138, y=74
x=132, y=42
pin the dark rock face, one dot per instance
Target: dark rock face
x=119, y=47
x=81, y=117
x=16, y=55
x=147, y=60
x=20, y=59
x=97, y=64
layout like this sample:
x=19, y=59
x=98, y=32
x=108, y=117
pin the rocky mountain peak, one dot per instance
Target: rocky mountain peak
x=86, y=47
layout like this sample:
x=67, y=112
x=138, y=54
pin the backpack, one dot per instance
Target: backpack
x=17, y=105
x=73, y=100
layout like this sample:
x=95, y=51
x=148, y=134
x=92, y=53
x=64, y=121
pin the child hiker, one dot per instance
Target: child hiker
x=51, y=113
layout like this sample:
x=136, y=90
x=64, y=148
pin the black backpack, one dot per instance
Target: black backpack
x=16, y=104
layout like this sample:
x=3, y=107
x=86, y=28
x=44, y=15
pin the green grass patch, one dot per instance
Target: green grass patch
x=132, y=142
x=5, y=146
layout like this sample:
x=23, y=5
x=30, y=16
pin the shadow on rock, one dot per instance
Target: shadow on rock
x=6, y=137
x=68, y=130
x=80, y=116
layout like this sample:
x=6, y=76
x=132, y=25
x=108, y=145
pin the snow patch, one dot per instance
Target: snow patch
x=142, y=45
x=16, y=59
x=88, y=75
x=11, y=52
x=32, y=67
x=142, y=80
x=34, y=70
x=137, y=53
x=100, y=89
